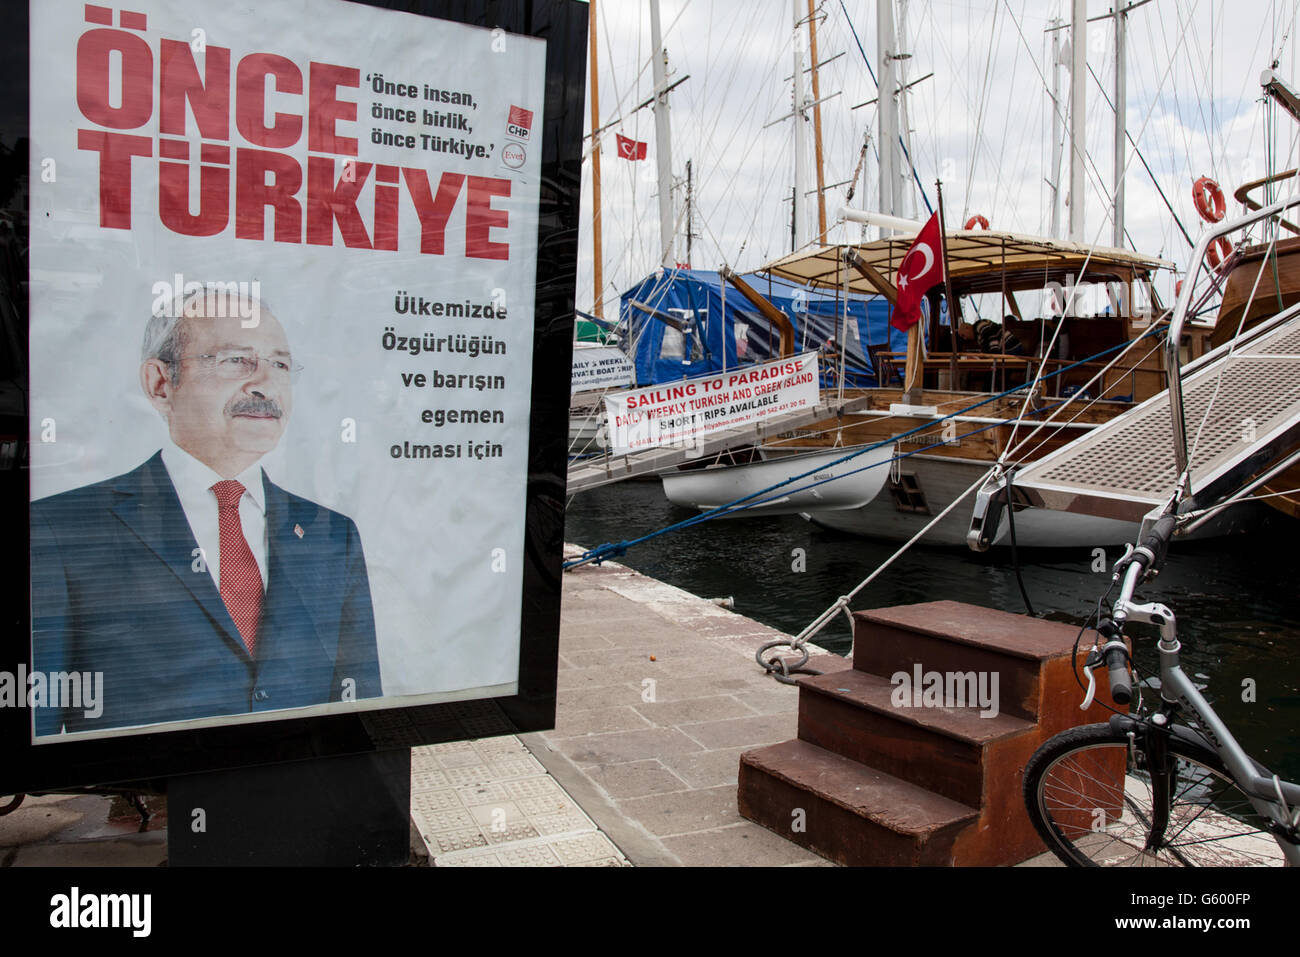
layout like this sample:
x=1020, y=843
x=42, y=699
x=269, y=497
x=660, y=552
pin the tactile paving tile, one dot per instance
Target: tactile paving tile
x=450, y=747
x=463, y=777
x=540, y=786
x=443, y=818
x=533, y=855
x=442, y=799
x=484, y=794
x=563, y=823
x=586, y=847
x=520, y=831
x=507, y=744
x=486, y=726
x=502, y=814
x=469, y=859
x=427, y=780
x=519, y=767
x=603, y=862
x=455, y=840
x=460, y=759
x=544, y=804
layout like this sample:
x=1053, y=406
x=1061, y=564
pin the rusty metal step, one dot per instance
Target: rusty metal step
x=944, y=749
x=953, y=636
x=845, y=811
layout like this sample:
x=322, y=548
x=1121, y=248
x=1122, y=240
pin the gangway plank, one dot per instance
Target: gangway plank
x=585, y=475
x=1126, y=467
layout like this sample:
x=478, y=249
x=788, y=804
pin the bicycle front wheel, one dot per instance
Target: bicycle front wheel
x=1091, y=802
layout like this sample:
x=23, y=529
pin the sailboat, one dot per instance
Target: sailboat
x=970, y=402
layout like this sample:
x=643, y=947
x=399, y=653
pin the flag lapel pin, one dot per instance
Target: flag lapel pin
x=297, y=530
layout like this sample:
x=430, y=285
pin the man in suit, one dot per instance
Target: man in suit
x=196, y=586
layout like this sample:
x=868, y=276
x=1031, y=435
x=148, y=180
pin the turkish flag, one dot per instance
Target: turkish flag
x=629, y=149
x=921, y=269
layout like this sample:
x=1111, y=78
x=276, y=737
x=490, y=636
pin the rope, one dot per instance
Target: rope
x=610, y=550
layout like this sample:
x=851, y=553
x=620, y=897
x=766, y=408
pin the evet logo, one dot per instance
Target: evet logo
x=520, y=123
x=74, y=910
x=513, y=155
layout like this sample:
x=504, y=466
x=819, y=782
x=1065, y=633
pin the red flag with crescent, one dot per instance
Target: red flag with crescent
x=921, y=269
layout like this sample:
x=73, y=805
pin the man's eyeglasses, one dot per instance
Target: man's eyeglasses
x=240, y=364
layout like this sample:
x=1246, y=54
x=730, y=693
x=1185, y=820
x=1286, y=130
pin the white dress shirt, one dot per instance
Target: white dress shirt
x=193, y=482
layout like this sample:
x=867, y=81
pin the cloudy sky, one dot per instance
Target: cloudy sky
x=982, y=122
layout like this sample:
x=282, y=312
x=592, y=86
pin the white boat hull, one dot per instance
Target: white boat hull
x=856, y=483
x=941, y=480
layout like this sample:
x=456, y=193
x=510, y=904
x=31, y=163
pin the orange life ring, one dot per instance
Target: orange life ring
x=1216, y=258
x=977, y=218
x=1209, y=200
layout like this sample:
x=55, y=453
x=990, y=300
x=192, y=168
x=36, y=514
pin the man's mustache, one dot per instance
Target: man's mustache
x=255, y=406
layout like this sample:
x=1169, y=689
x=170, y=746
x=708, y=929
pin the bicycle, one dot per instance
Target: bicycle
x=1166, y=787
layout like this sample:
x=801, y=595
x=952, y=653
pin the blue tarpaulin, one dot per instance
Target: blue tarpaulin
x=708, y=342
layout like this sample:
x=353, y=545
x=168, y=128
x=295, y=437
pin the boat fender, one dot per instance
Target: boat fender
x=1208, y=198
x=979, y=220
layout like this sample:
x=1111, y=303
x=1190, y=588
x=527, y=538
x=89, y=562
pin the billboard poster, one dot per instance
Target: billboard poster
x=282, y=272
x=681, y=413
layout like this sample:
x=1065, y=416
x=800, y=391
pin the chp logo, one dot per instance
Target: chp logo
x=513, y=155
x=520, y=123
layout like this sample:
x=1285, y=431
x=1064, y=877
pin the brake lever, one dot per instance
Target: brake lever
x=1094, y=658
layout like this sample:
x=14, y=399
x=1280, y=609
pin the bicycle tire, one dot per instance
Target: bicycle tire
x=1091, y=805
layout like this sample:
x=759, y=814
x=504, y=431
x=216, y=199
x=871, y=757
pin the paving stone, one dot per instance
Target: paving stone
x=775, y=700
x=34, y=822
x=675, y=687
x=741, y=845
x=693, y=710
x=761, y=729
x=132, y=853
x=623, y=746
x=707, y=769
x=597, y=721
x=586, y=699
x=636, y=779
x=601, y=677
x=683, y=811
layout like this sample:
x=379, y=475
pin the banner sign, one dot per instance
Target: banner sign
x=281, y=336
x=680, y=413
x=600, y=367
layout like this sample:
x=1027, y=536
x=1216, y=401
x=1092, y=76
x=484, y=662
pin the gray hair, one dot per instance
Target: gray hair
x=165, y=337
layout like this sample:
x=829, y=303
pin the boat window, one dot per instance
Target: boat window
x=673, y=344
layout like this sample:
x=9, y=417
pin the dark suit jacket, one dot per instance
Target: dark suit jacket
x=117, y=588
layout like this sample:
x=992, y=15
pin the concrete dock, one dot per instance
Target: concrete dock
x=658, y=695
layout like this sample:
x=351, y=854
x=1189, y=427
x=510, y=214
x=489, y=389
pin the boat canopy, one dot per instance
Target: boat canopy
x=971, y=253
x=674, y=326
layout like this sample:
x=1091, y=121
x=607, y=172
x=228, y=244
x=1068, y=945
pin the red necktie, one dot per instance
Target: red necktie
x=241, y=579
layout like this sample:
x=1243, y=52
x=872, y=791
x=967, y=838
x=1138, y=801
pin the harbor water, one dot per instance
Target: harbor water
x=1237, y=600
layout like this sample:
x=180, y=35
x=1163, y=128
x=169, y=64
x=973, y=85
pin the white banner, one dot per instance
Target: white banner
x=292, y=246
x=599, y=367
x=680, y=413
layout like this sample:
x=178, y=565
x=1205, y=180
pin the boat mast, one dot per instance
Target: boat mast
x=800, y=159
x=598, y=281
x=1121, y=99
x=1055, y=181
x=887, y=113
x=663, y=138
x=817, y=124
x=1078, y=107
x=906, y=198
